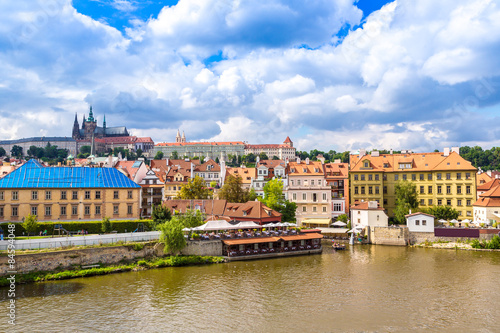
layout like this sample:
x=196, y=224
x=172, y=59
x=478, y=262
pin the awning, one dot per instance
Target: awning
x=248, y=225
x=251, y=240
x=317, y=221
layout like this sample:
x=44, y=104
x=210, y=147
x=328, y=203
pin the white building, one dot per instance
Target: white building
x=487, y=207
x=420, y=222
x=368, y=214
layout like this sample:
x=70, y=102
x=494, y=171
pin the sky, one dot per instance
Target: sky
x=331, y=74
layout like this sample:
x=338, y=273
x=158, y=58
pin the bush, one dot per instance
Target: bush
x=106, y=226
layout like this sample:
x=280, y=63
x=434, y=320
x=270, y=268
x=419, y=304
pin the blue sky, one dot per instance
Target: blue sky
x=331, y=74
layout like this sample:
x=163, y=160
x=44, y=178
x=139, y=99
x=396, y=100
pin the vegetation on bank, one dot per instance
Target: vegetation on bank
x=493, y=244
x=142, y=264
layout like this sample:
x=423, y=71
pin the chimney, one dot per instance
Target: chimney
x=372, y=205
x=307, y=160
x=298, y=160
x=446, y=152
x=391, y=152
x=456, y=150
x=375, y=153
x=192, y=170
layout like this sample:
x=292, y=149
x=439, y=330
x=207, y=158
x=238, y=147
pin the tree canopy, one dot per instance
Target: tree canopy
x=30, y=224
x=273, y=198
x=233, y=191
x=441, y=212
x=196, y=188
x=406, y=199
x=2, y=152
x=171, y=231
x=16, y=151
x=159, y=155
x=160, y=215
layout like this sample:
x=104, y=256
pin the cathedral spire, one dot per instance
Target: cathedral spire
x=104, y=123
x=91, y=115
x=83, y=121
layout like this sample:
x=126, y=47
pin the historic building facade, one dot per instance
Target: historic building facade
x=90, y=130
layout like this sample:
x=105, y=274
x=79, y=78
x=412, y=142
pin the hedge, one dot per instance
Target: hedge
x=92, y=227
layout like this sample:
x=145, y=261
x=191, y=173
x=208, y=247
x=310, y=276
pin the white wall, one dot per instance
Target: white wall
x=413, y=227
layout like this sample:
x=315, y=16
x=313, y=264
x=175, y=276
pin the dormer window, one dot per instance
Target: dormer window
x=367, y=164
x=244, y=213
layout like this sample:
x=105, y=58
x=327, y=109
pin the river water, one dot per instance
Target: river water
x=363, y=289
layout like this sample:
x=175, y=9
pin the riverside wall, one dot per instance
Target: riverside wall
x=203, y=248
x=69, y=259
x=398, y=236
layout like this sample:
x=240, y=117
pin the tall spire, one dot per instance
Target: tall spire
x=104, y=123
x=83, y=121
x=91, y=115
x=178, y=136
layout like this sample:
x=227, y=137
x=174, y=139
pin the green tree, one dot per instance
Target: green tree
x=263, y=156
x=2, y=152
x=30, y=224
x=139, y=152
x=16, y=151
x=289, y=211
x=196, y=188
x=233, y=190
x=175, y=155
x=343, y=218
x=273, y=194
x=213, y=184
x=191, y=218
x=85, y=150
x=406, y=199
x=250, y=158
x=441, y=213
x=275, y=157
x=172, y=236
x=106, y=226
x=159, y=155
x=160, y=215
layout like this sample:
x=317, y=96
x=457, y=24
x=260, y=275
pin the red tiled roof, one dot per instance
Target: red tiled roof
x=489, y=185
x=287, y=140
x=364, y=206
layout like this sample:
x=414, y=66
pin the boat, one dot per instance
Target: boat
x=337, y=246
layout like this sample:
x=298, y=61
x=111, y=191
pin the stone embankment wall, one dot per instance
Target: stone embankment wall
x=49, y=261
x=388, y=235
x=203, y=248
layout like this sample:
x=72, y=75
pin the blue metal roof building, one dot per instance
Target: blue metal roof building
x=34, y=175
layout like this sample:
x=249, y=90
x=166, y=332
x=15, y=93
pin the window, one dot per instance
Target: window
x=396, y=177
x=304, y=208
x=422, y=202
x=468, y=202
x=1, y=211
x=440, y=202
x=98, y=194
x=304, y=196
x=384, y=177
x=312, y=183
x=370, y=177
x=324, y=209
x=63, y=195
x=438, y=176
x=429, y=202
x=417, y=222
x=48, y=210
x=15, y=195
x=377, y=190
x=87, y=195
x=356, y=190
x=467, y=189
x=34, y=196
x=115, y=209
x=413, y=177
x=315, y=199
x=14, y=211
x=63, y=210
x=294, y=196
x=421, y=176
x=424, y=222
x=337, y=207
x=448, y=202
x=439, y=191
x=422, y=190
x=362, y=190
x=448, y=189
x=86, y=210
x=376, y=177
x=362, y=177
x=385, y=189
x=48, y=195
x=75, y=195
x=467, y=175
x=314, y=209
x=459, y=189
x=459, y=202
x=370, y=190
x=324, y=196
x=448, y=176
x=97, y=210
x=469, y=213
x=429, y=176
x=1, y=195
x=74, y=210
x=130, y=195
x=34, y=210
x=355, y=177
x=385, y=201
x=115, y=195
x=459, y=175
x=298, y=182
x=429, y=189
x=404, y=176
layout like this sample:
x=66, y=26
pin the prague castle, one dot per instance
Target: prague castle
x=89, y=128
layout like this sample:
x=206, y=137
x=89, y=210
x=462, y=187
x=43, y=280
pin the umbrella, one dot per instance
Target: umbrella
x=466, y=221
x=339, y=224
x=293, y=224
x=454, y=221
x=270, y=225
x=442, y=221
x=186, y=229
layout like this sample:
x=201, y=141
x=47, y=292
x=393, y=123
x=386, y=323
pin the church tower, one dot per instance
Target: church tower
x=90, y=125
x=76, y=129
x=183, y=139
x=178, y=137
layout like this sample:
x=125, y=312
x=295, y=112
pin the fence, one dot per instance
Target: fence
x=456, y=232
x=45, y=243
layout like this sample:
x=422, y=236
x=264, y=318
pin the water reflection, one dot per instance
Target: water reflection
x=366, y=288
x=46, y=289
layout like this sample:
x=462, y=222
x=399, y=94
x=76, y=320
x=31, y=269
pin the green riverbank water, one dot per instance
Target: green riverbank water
x=363, y=289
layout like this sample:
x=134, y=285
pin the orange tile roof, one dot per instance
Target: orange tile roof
x=482, y=178
x=246, y=174
x=336, y=170
x=126, y=166
x=266, y=146
x=287, y=140
x=203, y=167
x=145, y=139
x=488, y=201
x=314, y=168
x=248, y=210
x=229, y=143
x=420, y=162
x=489, y=185
x=271, y=164
x=364, y=206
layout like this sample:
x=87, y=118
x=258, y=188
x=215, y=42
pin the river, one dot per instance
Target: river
x=363, y=289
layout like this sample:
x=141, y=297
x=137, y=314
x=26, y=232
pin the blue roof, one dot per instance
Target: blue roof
x=34, y=175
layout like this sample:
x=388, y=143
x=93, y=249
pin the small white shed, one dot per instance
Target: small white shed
x=420, y=222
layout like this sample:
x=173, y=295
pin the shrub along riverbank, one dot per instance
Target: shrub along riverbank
x=141, y=264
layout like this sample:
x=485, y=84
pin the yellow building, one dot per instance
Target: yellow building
x=441, y=179
x=67, y=193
